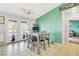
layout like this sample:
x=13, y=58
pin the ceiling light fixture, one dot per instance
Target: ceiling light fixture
x=27, y=10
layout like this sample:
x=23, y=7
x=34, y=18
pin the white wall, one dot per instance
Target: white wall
x=4, y=28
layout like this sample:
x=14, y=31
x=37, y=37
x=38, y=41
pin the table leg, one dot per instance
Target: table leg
x=44, y=45
x=28, y=43
x=48, y=43
x=38, y=46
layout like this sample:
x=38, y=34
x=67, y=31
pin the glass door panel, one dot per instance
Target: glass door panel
x=12, y=29
x=23, y=29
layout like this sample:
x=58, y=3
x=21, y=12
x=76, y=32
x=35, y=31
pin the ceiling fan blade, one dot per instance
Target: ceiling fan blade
x=28, y=11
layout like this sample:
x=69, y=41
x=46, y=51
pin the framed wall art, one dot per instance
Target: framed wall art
x=2, y=19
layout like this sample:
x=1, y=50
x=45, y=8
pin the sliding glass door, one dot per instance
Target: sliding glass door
x=12, y=30
x=23, y=29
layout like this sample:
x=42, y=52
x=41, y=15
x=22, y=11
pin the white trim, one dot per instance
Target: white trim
x=57, y=43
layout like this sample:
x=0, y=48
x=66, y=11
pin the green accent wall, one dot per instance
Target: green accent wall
x=52, y=22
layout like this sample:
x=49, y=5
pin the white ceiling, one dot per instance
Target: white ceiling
x=38, y=9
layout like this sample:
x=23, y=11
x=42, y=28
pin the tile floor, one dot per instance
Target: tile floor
x=16, y=49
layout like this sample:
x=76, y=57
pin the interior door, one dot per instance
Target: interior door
x=12, y=29
x=23, y=29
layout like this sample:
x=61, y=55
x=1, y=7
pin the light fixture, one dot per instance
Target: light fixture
x=27, y=10
x=74, y=9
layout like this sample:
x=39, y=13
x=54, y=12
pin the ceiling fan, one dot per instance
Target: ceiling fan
x=27, y=11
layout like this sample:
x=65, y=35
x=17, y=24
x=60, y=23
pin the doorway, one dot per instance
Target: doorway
x=70, y=17
x=74, y=30
x=12, y=30
x=23, y=30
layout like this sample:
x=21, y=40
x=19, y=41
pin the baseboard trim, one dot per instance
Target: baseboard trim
x=57, y=43
x=2, y=43
x=12, y=42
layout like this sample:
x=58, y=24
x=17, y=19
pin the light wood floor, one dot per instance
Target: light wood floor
x=20, y=49
x=67, y=49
